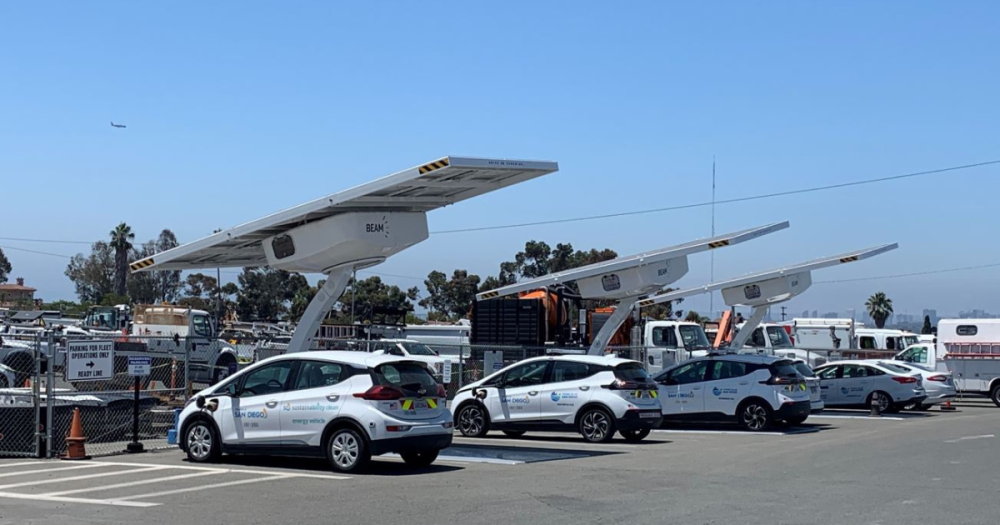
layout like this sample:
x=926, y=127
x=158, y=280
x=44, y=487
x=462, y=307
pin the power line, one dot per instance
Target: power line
x=36, y=251
x=43, y=240
x=725, y=201
x=914, y=274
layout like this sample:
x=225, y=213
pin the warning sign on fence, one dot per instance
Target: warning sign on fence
x=90, y=360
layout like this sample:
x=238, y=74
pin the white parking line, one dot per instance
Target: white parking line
x=60, y=499
x=46, y=471
x=134, y=483
x=859, y=416
x=25, y=463
x=970, y=438
x=78, y=478
x=203, y=487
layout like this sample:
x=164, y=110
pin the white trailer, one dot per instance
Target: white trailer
x=969, y=349
x=842, y=334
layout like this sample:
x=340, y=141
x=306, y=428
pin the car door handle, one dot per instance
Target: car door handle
x=271, y=404
x=584, y=388
x=533, y=393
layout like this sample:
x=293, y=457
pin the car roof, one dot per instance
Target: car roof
x=608, y=360
x=744, y=358
x=875, y=362
x=342, y=356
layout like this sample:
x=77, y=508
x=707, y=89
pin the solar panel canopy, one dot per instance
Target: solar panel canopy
x=417, y=190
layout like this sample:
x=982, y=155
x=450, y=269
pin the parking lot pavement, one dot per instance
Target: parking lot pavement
x=936, y=468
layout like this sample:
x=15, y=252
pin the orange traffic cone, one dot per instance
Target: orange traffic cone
x=947, y=406
x=75, y=440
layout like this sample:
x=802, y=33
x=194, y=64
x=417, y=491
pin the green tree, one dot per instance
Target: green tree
x=435, y=300
x=927, y=328
x=694, y=317
x=168, y=283
x=538, y=259
x=265, y=294
x=142, y=286
x=5, y=268
x=879, y=308
x=93, y=275
x=198, y=291
x=459, y=292
x=371, y=293
x=121, y=243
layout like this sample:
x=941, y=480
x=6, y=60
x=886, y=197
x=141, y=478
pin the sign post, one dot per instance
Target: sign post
x=446, y=372
x=138, y=367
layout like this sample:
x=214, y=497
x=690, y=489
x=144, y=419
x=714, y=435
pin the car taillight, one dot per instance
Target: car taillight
x=380, y=393
x=441, y=392
x=904, y=380
x=778, y=380
x=940, y=379
x=619, y=384
x=397, y=428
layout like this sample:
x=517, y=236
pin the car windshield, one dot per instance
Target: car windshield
x=894, y=368
x=805, y=370
x=778, y=336
x=418, y=349
x=910, y=340
x=631, y=372
x=411, y=378
x=694, y=337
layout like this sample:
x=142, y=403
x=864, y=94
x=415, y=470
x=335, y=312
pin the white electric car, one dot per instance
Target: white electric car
x=345, y=406
x=756, y=390
x=855, y=383
x=410, y=349
x=815, y=398
x=594, y=395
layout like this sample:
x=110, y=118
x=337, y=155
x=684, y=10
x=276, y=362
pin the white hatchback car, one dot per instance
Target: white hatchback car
x=345, y=406
x=756, y=390
x=594, y=395
x=815, y=398
x=855, y=383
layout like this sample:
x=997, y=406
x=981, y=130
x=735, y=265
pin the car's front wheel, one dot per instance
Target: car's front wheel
x=884, y=402
x=634, y=435
x=755, y=416
x=472, y=420
x=597, y=426
x=347, y=451
x=202, y=442
x=423, y=458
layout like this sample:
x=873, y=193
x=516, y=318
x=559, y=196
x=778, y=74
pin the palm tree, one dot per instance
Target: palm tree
x=879, y=308
x=121, y=241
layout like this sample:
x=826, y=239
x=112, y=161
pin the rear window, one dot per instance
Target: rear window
x=408, y=377
x=895, y=368
x=632, y=372
x=784, y=369
x=805, y=370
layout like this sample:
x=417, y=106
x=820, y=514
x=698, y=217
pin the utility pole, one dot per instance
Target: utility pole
x=782, y=313
x=354, y=288
x=711, y=295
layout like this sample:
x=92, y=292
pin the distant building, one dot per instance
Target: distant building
x=805, y=314
x=17, y=295
x=815, y=314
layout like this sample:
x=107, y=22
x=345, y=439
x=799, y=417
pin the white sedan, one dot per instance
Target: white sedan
x=940, y=386
x=855, y=383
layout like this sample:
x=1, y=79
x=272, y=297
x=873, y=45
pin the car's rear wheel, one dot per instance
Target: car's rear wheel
x=347, y=451
x=424, y=458
x=634, y=435
x=883, y=400
x=514, y=433
x=755, y=415
x=597, y=426
x=222, y=369
x=995, y=395
x=202, y=442
x=472, y=420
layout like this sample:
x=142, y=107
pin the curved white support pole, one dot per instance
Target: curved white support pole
x=326, y=297
x=748, y=327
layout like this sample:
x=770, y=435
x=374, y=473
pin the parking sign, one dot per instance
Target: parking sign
x=90, y=360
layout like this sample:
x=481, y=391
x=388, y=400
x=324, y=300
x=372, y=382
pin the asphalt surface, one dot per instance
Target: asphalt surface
x=919, y=468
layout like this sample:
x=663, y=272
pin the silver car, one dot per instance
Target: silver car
x=812, y=381
x=940, y=386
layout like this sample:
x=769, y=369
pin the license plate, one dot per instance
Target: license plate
x=414, y=404
x=648, y=415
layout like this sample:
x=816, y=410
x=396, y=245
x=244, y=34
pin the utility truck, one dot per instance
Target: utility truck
x=969, y=349
x=185, y=334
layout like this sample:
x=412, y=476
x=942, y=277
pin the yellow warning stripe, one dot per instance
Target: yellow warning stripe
x=646, y=302
x=653, y=393
x=138, y=265
x=432, y=403
x=489, y=295
x=436, y=165
x=407, y=404
x=718, y=244
x=849, y=259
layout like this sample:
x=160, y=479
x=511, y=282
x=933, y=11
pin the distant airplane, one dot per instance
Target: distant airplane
x=113, y=125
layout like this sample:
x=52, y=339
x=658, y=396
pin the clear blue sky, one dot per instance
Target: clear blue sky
x=236, y=110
